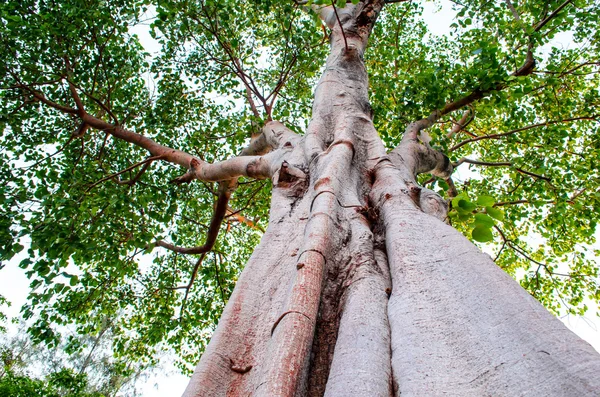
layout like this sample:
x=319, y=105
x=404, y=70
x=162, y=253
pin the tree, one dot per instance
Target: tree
x=357, y=287
x=79, y=366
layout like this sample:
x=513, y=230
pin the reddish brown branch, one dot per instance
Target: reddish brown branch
x=542, y=23
x=42, y=98
x=213, y=230
x=188, y=287
x=137, y=177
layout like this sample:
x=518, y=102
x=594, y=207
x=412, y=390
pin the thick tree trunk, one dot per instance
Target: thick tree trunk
x=358, y=289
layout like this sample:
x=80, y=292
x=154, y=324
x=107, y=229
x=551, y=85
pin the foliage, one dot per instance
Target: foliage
x=64, y=383
x=80, y=365
x=3, y=317
x=90, y=234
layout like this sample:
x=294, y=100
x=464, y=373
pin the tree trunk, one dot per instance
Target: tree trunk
x=358, y=288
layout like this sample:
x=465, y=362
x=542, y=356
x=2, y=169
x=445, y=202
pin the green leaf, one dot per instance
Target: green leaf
x=482, y=234
x=466, y=205
x=484, y=220
x=495, y=213
x=485, y=201
x=464, y=216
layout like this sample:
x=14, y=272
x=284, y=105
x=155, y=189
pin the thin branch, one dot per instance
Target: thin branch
x=251, y=101
x=505, y=241
x=189, y=286
x=53, y=154
x=213, y=230
x=137, y=177
x=217, y=276
x=522, y=171
x=501, y=135
x=503, y=203
x=103, y=106
x=501, y=164
x=452, y=191
x=461, y=124
x=42, y=98
x=132, y=167
x=242, y=219
x=485, y=163
x=339, y=23
x=542, y=23
x=516, y=15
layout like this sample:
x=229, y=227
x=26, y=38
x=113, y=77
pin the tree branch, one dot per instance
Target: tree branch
x=274, y=136
x=542, y=23
x=145, y=163
x=501, y=164
x=225, y=189
x=339, y=23
x=486, y=163
x=498, y=136
x=462, y=123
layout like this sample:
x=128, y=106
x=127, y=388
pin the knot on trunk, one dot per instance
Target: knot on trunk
x=444, y=167
x=433, y=204
x=292, y=178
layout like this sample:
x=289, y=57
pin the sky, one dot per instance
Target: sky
x=14, y=284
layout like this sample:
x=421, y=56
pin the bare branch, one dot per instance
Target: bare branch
x=225, y=189
x=132, y=167
x=486, y=163
x=339, y=23
x=42, y=98
x=137, y=176
x=516, y=15
x=242, y=219
x=501, y=135
x=462, y=123
x=503, y=203
x=189, y=286
x=501, y=164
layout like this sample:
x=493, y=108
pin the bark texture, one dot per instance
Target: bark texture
x=358, y=287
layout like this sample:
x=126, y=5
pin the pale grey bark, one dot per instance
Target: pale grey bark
x=462, y=327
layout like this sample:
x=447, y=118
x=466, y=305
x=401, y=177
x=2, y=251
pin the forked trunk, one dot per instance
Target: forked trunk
x=359, y=289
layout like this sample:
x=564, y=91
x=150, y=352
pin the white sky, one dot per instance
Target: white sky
x=14, y=284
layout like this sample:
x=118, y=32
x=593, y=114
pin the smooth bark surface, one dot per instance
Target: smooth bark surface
x=358, y=288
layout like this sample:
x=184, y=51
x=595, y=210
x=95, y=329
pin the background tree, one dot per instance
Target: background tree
x=79, y=366
x=87, y=145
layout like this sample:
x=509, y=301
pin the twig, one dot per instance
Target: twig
x=340, y=23
x=134, y=166
x=217, y=276
x=498, y=136
x=486, y=163
x=189, y=286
